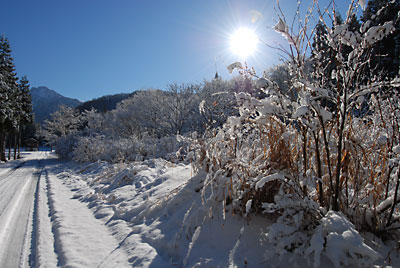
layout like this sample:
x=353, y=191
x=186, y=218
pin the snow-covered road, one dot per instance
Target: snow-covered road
x=41, y=225
x=17, y=189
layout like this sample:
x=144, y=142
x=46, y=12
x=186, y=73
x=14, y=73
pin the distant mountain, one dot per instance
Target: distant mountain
x=105, y=103
x=46, y=101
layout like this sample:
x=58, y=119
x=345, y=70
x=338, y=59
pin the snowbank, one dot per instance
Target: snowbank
x=154, y=208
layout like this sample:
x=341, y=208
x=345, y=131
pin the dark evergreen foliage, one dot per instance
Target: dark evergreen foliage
x=15, y=102
x=385, y=54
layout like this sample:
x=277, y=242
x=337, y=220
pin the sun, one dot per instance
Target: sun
x=243, y=42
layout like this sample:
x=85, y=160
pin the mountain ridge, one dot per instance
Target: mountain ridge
x=46, y=101
x=104, y=103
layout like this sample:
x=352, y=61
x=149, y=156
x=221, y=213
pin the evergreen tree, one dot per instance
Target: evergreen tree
x=8, y=89
x=322, y=55
x=353, y=25
x=26, y=101
x=25, y=112
x=4, y=110
x=385, y=54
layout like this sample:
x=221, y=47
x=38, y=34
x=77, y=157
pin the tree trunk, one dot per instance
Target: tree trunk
x=15, y=145
x=3, y=146
x=9, y=146
x=19, y=144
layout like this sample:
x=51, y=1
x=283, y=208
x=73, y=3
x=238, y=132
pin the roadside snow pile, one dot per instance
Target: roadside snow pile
x=155, y=209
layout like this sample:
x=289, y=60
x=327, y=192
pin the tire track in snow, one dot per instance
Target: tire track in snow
x=13, y=170
x=16, y=211
x=35, y=222
x=42, y=243
x=9, y=186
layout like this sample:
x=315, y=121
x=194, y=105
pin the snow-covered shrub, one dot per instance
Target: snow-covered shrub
x=332, y=146
x=352, y=161
x=216, y=103
x=100, y=147
x=64, y=146
x=66, y=121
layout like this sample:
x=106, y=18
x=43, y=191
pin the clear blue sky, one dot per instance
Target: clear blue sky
x=89, y=48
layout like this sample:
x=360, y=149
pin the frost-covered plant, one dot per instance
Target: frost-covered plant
x=325, y=148
x=326, y=113
x=102, y=148
x=64, y=122
x=64, y=146
x=216, y=103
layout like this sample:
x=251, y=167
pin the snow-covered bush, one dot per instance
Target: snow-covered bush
x=64, y=122
x=102, y=148
x=64, y=146
x=301, y=158
x=216, y=103
x=151, y=123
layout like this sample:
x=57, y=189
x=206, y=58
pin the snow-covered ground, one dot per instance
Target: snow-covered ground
x=154, y=208
x=142, y=214
x=41, y=226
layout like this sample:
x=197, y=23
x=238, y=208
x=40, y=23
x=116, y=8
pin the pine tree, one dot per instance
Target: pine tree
x=8, y=91
x=4, y=110
x=385, y=54
x=26, y=101
x=322, y=56
x=26, y=115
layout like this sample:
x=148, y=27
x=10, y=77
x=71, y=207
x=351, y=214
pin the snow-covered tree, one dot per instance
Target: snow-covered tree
x=217, y=102
x=143, y=113
x=180, y=107
x=8, y=90
x=64, y=122
x=26, y=101
x=22, y=106
x=280, y=74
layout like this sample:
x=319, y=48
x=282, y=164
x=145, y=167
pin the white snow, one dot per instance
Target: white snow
x=396, y=149
x=80, y=239
x=300, y=111
x=263, y=83
x=281, y=26
x=233, y=66
x=150, y=214
x=264, y=180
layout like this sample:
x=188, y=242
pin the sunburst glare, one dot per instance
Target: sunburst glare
x=243, y=42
